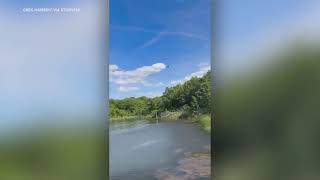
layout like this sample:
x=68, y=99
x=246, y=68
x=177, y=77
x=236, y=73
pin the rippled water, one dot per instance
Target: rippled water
x=139, y=149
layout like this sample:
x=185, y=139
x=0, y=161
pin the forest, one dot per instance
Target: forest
x=186, y=100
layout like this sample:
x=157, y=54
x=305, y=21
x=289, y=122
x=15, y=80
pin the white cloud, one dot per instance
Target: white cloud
x=175, y=82
x=203, y=69
x=127, y=89
x=159, y=84
x=137, y=76
x=113, y=67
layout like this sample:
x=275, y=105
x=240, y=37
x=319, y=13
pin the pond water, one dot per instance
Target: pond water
x=142, y=149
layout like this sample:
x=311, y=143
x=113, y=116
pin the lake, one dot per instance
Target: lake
x=146, y=150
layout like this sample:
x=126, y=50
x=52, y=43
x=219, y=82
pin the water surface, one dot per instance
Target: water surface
x=140, y=149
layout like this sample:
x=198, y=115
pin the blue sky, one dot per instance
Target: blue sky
x=177, y=33
x=168, y=32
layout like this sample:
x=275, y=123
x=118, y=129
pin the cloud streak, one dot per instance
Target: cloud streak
x=153, y=40
x=158, y=35
x=161, y=34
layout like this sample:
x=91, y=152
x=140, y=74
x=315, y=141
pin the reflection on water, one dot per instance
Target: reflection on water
x=129, y=125
x=140, y=149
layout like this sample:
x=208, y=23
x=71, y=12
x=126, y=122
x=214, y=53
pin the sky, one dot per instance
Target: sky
x=49, y=63
x=157, y=44
x=251, y=28
x=144, y=33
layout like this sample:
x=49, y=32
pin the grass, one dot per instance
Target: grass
x=166, y=116
x=171, y=116
x=205, y=121
x=124, y=118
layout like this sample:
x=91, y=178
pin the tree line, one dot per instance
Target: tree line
x=192, y=97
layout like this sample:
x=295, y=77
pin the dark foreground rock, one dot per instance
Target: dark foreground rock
x=192, y=166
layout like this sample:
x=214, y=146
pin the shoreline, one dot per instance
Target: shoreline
x=203, y=120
